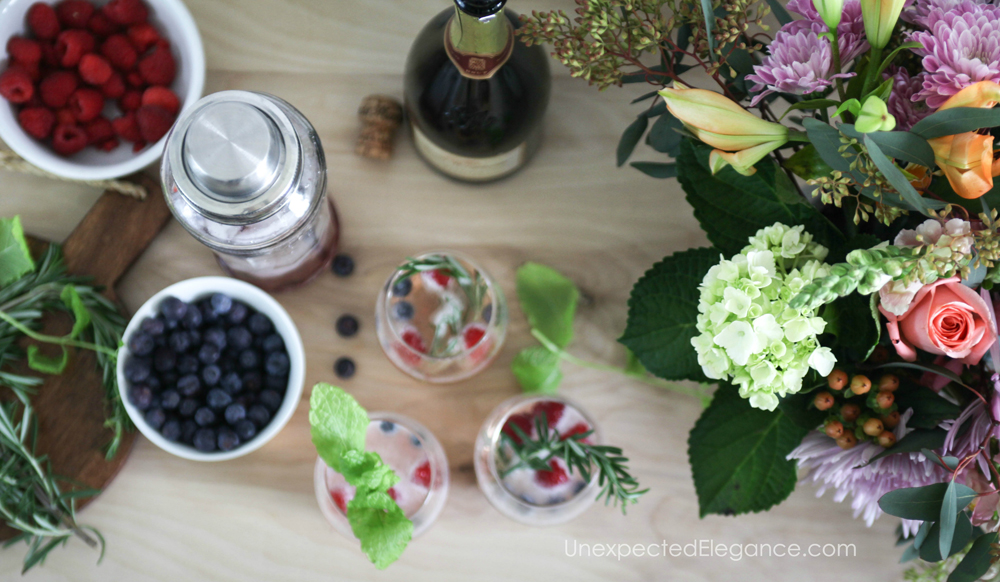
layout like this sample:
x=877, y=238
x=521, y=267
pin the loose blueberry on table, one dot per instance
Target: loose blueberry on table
x=210, y=374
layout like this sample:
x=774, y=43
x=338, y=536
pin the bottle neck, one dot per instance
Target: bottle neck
x=479, y=46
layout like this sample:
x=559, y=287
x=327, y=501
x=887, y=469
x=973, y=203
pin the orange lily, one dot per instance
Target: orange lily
x=967, y=158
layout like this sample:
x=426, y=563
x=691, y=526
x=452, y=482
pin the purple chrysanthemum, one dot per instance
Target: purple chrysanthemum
x=961, y=48
x=917, y=13
x=967, y=432
x=797, y=63
x=834, y=468
x=850, y=32
x=900, y=103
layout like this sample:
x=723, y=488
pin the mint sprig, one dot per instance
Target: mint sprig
x=339, y=425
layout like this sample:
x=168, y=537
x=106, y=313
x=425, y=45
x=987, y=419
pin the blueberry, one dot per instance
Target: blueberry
x=188, y=385
x=271, y=399
x=215, y=336
x=402, y=287
x=403, y=311
x=347, y=325
x=235, y=412
x=387, y=427
x=344, y=367
x=249, y=359
x=273, y=343
x=192, y=319
x=218, y=399
x=238, y=313
x=259, y=415
x=211, y=375
x=415, y=441
x=136, y=369
x=154, y=383
x=208, y=315
x=171, y=430
x=141, y=344
x=253, y=381
x=488, y=313
x=167, y=378
x=173, y=310
x=152, y=326
x=231, y=383
x=277, y=383
x=188, y=428
x=141, y=396
x=259, y=324
x=160, y=340
x=164, y=359
x=154, y=402
x=204, y=440
x=170, y=399
x=208, y=354
x=342, y=265
x=195, y=337
x=187, y=364
x=276, y=363
x=579, y=487
x=227, y=365
x=188, y=407
x=246, y=429
x=204, y=416
x=239, y=338
x=155, y=417
x=228, y=439
x=221, y=304
x=179, y=341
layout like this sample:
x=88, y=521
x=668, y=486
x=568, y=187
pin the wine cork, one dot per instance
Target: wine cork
x=381, y=117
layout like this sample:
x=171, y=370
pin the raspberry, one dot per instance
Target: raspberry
x=154, y=122
x=43, y=21
x=74, y=13
x=555, y=476
x=162, y=97
x=134, y=79
x=337, y=496
x=49, y=56
x=472, y=335
x=115, y=86
x=130, y=101
x=35, y=101
x=108, y=144
x=72, y=45
x=440, y=277
x=86, y=104
x=412, y=338
x=16, y=85
x=99, y=130
x=57, y=87
x=127, y=128
x=553, y=411
x=126, y=12
x=69, y=139
x=578, y=428
x=100, y=25
x=138, y=146
x=143, y=36
x=34, y=71
x=158, y=67
x=391, y=492
x=422, y=475
x=65, y=117
x=37, y=121
x=94, y=70
x=24, y=50
x=119, y=52
x=523, y=421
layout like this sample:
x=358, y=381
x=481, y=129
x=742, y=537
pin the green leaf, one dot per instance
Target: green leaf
x=929, y=408
x=923, y=503
x=47, y=364
x=548, y=299
x=892, y=55
x=796, y=408
x=947, y=523
x=957, y=120
x=537, y=370
x=811, y=104
x=645, y=96
x=779, y=12
x=380, y=525
x=731, y=208
x=630, y=138
x=856, y=328
x=15, y=258
x=737, y=456
x=914, y=441
x=663, y=136
x=826, y=140
x=656, y=169
x=933, y=368
x=895, y=177
x=975, y=563
x=706, y=9
x=632, y=364
x=339, y=424
x=663, y=313
x=81, y=315
x=808, y=164
x=906, y=146
x=930, y=550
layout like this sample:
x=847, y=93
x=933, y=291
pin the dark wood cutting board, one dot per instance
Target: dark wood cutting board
x=70, y=408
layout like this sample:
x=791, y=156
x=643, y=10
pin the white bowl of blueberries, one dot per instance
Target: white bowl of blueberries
x=211, y=368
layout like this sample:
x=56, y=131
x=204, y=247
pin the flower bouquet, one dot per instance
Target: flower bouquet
x=843, y=172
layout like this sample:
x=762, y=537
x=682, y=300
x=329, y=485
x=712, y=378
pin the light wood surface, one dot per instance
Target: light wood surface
x=256, y=518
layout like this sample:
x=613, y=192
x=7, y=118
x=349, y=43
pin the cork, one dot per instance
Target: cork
x=381, y=117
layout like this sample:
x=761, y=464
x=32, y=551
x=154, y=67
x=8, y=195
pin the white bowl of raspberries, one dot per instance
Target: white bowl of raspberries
x=211, y=368
x=89, y=89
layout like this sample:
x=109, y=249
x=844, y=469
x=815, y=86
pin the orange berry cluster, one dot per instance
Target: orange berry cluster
x=873, y=419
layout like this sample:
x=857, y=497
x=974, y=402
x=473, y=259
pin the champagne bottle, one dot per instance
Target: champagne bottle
x=475, y=95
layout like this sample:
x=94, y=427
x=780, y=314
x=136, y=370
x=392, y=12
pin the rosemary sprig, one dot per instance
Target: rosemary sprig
x=617, y=484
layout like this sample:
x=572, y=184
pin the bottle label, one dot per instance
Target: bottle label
x=465, y=168
x=475, y=65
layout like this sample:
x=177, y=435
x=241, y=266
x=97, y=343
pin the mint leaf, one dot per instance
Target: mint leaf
x=632, y=363
x=381, y=526
x=537, y=370
x=15, y=258
x=81, y=315
x=366, y=469
x=663, y=314
x=47, y=364
x=737, y=455
x=338, y=424
x=548, y=299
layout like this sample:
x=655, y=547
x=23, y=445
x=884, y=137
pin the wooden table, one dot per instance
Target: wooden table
x=256, y=518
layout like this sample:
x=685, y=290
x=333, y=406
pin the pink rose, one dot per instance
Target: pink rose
x=945, y=318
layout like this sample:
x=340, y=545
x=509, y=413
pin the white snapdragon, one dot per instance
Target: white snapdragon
x=748, y=331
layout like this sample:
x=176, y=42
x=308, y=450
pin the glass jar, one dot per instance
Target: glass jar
x=245, y=174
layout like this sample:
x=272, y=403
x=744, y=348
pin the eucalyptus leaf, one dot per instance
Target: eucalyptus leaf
x=660, y=170
x=826, y=139
x=976, y=562
x=923, y=503
x=906, y=146
x=896, y=178
x=706, y=9
x=779, y=12
x=955, y=121
x=947, y=523
x=630, y=138
x=930, y=551
x=808, y=164
x=914, y=441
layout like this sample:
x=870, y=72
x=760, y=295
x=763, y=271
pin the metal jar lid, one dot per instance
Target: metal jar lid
x=234, y=156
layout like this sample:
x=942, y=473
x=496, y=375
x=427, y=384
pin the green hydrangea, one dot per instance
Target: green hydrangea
x=749, y=332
